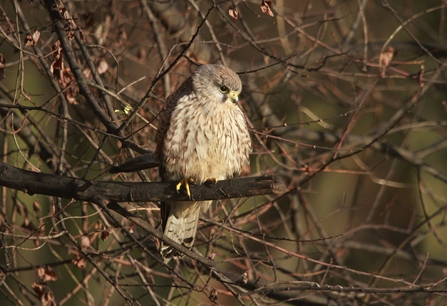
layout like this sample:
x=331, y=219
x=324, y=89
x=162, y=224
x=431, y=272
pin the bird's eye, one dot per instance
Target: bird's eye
x=224, y=89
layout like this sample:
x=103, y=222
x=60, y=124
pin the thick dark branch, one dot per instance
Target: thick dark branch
x=95, y=191
x=107, y=194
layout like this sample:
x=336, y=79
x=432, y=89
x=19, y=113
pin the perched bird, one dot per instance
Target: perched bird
x=202, y=136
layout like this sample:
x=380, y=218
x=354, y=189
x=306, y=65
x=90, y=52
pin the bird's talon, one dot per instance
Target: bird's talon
x=185, y=182
x=212, y=181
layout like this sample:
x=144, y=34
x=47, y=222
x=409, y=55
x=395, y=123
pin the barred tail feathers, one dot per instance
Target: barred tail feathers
x=180, y=220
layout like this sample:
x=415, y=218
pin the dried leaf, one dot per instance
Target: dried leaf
x=87, y=72
x=36, y=36
x=52, y=211
x=39, y=289
x=102, y=67
x=85, y=242
x=233, y=13
x=213, y=295
x=29, y=40
x=98, y=226
x=385, y=59
x=71, y=25
x=57, y=63
x=46, y=274
x=79, y=262
x=212, y=256
x=45, y=296
x=104, y=235
x=266, y=7
x=48, y=299
x=63, y=74
x=245, y=278
x=36, y=243
x=36, y=207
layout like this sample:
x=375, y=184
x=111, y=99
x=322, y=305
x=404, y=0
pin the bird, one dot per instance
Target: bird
x=202, y=137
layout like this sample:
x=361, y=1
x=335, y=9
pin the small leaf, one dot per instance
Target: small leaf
x=385, y=59
x=79, y=262
x=213, y=295
x=245, y=278
x=85, y=242
x=102, y=67
x=266, y=7
x=31, y=40
x=212, y=256
x=45, y=296
x=36, y=36
x=233, y=13
x=36, y=207
x=104, y=235
x=127, y=109
x=46, y=274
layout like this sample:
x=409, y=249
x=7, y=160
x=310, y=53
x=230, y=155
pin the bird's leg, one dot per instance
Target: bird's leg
x=185, y=182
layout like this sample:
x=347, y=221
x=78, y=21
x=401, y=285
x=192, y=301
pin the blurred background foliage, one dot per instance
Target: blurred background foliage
x=346, y=101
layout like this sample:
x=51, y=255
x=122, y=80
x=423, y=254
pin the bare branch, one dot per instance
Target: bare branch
x=93, y=191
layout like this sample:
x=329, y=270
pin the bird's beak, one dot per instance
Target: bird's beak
x=234, y=97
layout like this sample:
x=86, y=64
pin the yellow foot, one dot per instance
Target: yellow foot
x=185, y=182
x=212, y=181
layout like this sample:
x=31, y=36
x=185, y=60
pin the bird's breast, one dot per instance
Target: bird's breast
x=204, y=143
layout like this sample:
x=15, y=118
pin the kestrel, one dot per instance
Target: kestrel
x=202, y=136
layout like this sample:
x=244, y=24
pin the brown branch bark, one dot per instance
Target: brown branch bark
x=98, y=191
x=107, y=194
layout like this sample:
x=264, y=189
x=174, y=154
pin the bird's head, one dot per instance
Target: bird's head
x=217, y=83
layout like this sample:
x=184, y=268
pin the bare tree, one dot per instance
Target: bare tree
x=345, y=201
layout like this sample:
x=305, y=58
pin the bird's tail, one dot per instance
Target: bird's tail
x=180, y=221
